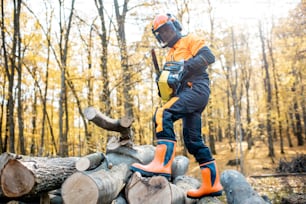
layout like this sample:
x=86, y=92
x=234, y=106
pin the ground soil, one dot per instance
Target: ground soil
x=257, y=162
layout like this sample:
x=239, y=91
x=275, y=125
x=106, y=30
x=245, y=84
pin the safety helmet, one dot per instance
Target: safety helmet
x=166, y=29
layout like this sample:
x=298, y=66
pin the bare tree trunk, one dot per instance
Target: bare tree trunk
x=211, y=128
x=10, y=109
x=211, y=125
x=288, y=131
x=44, y=100
x=105, y=100
x=19, y=81
x=7, y=72
x=43, y=95
x=89, y=79
x=298, y=123
x=63, y=112
x=246, y=73
x=269, y=93
x=228, y=128
x=248, y=113
x=105, y=97
x=234, y=89
x=2, y=112
x=128, y=100
x=277, y=99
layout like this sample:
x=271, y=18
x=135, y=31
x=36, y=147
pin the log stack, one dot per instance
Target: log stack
x=99, y=186
x=105, y=183
x=23, y=176
x=104, y=178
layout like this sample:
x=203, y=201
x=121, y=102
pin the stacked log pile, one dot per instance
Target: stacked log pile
x=106, y=178
x=28, y=177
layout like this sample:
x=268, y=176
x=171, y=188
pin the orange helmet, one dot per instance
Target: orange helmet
x=160, y=20
x=166, y=29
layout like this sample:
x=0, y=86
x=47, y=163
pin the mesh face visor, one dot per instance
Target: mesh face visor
x=166, y=34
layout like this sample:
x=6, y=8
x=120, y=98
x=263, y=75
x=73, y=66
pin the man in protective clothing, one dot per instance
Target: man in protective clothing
x=188, y=103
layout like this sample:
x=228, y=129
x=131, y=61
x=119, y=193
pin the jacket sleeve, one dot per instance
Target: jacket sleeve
x=201, y=60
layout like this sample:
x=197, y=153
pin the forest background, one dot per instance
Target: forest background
x=59, y=57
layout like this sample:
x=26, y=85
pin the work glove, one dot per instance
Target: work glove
x=201, y=60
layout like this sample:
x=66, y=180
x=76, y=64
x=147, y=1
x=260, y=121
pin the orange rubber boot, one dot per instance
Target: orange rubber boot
x=161, y=164
x=210, y=182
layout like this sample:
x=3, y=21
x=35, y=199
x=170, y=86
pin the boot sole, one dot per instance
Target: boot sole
x=218, y=193
x=149, y=174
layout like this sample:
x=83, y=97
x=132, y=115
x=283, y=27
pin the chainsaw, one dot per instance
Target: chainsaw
x=169, y=78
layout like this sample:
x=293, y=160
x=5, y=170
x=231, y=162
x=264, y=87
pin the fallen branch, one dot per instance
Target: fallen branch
x=278, y=175
x=121, y=125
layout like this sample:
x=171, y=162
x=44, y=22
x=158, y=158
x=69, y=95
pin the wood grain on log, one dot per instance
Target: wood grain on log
x=97, y=186
x=90, y=161
x=238, y=190
x=33, y=175
x=16, y=179
x=151, y=190
x=4, y=158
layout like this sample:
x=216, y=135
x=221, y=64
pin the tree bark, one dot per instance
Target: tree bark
x=64, y=48
x=90, y=161
x=238, y=190
x=267, y=85
x=156, y=189
x=179, y=166
x=33, y=175
x=126, y=69
x=98, y=186
x=119, y=125
x=140, y=154
x=104, y=40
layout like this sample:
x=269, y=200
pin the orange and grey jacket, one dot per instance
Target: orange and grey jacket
x=195, y=54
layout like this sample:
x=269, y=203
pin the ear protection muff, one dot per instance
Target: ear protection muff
x=175, y=22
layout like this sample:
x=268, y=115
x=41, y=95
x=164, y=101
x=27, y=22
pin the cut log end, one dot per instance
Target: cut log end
x=152, y=190
x=115, y=143
x=82, y=164
x=90, y=113
x=16, y=179
x=90, y=161
x=81, y=185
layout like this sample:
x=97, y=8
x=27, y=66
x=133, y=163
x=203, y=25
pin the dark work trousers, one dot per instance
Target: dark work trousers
x=188, y=105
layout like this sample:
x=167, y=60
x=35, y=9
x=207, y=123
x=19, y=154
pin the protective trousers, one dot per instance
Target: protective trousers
x=188, y=105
